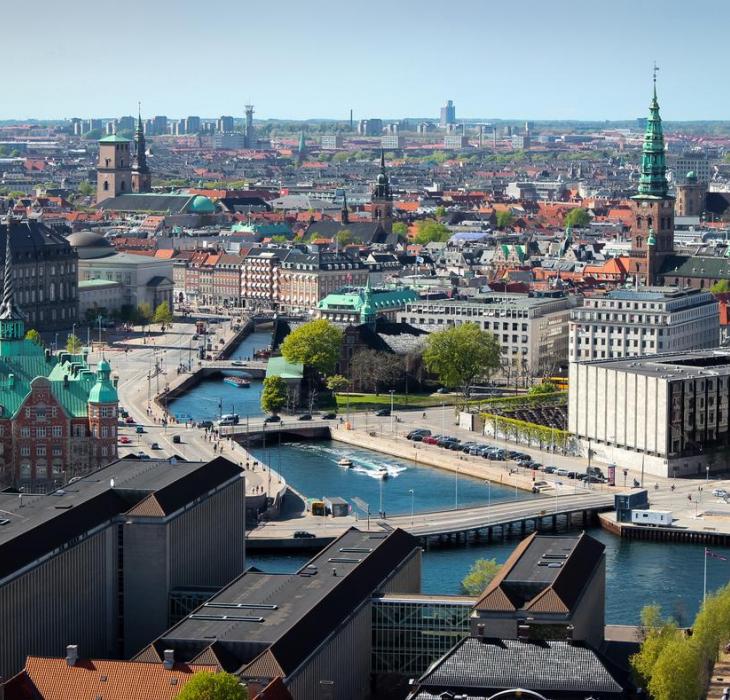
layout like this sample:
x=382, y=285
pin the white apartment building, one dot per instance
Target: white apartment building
x=664, y=414
x=532, y=331
x=630, y=323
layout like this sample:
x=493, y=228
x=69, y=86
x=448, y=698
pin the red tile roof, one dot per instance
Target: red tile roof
x=54, y=679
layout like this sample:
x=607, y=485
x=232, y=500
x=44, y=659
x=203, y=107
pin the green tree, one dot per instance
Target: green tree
x=86, y=188
x=315, y=344
x=440, y=212
x=542, y=388
x=430, y=230
x=505, y=219
x=336, y=383
x=400, y=229
x=34, y=336
x=213, y=686
x=144, y=313
x=676, y=673
x=273, y=394
x=720, y=287
x=578, y=218
x=657, y=634
x=163, y=315
x=344, y=237
x=479, y=577
x=461, y=354
x=279, y=239
x=73, y=344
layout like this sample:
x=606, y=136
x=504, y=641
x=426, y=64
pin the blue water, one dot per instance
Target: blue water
x=213, y=396
x=312, y=469
x=637, y=573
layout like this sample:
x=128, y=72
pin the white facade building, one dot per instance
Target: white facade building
x=665, y=414
x=532, y=331
x=631, y=323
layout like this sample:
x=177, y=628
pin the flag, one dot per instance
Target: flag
x=712, y=555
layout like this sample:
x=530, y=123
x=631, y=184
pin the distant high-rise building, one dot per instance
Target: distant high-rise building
x=160, y=125
x=331, y=142
x=224, y=125
x=250, y=133
x=110, y=127
x=370, y=127
x=448, y=114
x=392, y=140
x=125, y=123
x=192, y=125
x=229, y=141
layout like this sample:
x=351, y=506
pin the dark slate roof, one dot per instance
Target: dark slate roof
x=362, y=231
x=33, y=240
x=544, y=666
x=693, y=266
x=39, y=525
x=158, y=203
x=244, y=203
x=275, y=633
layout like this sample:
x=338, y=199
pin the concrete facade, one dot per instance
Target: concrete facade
x=665, y=414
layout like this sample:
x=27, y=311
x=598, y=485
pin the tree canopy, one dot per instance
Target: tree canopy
x=34, y=336
x=578, y=218
x=542, y=388
x=400, y=229
x=163, y=314
x=213, y=686
x=73, y=344
x=430, y=230
x=505, y=219
x=273, y=394
x=373, y=370
x=337, y=383
x=144, y=313
x=315, y=344
x=461, y=354
x=480, y=575
x=720, y=287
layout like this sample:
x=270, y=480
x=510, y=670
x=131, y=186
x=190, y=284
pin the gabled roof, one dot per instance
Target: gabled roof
x=88, y=679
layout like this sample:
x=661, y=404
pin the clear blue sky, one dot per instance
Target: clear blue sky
x=565, y=59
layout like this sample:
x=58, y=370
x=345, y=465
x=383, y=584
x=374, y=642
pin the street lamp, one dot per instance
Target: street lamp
x=391, y=392
x=412, y=492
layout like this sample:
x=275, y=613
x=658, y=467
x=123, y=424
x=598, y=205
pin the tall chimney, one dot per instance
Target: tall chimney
x=72, y=654
x=169, y=659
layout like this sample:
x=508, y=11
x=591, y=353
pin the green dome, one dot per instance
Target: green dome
x=103, y=392
x=691, y=176
x=103, y=366
x=202, y=205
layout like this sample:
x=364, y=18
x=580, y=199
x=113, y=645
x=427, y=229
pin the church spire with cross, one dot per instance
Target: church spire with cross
x=141, y=178
x=12, y=324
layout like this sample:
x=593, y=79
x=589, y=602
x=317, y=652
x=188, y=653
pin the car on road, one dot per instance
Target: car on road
x=142, y=455
x=540, y=486
x=272, y=419
x=176, y=439
x=129, y=420
x=561, y=472
x=205, y=424
x=238, y=363
x=383, y=412
x=719, y=493
x=329, y=416
x=303, y=535
x=305, y=416
x=124, y=440
x=572, y=475
x=139, y=429
x=155, y=446
x=550, y=469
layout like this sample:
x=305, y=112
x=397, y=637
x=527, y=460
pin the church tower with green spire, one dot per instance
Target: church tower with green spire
x=141, y=176
x=12, y=322
x=653, y=206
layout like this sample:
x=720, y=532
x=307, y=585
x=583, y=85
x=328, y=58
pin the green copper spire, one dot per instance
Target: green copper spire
x=11, y=318
x=653, y=180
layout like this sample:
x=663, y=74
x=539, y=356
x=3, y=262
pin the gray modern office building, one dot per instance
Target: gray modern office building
x=312, y=628
x=95, y=563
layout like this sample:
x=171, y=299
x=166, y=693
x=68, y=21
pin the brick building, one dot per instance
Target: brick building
x=58, y=418
x=260, y=277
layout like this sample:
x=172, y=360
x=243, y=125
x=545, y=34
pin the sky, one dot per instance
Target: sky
x=304, y=59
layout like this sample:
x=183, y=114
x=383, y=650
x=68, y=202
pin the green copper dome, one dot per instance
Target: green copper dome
x=103, y=391
x=202, y=205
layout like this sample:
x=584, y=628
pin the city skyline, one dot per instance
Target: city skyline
x=411, y=63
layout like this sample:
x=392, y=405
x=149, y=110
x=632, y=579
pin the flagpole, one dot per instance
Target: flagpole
x=704, y=586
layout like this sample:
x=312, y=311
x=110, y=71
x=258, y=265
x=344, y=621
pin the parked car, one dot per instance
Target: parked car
x=303, y=535
x=124, y=440
x=719, y=493
x=423, y=432
x=205, y=424
x=305, y=416
x=155, y=446
x=329, y=416
x=139, y=429
x=454, y=445
x=272, y=419
x=540, y=486
x=431, y=439
x=176, y=439
x=129, y=420
x=572, y=475
x=142, y=455
x=383, y=412
x=550, y=469
x=561, y=472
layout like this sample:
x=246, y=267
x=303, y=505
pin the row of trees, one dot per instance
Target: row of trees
x=675, y=665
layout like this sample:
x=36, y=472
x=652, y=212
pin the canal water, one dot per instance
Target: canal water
x=637, y=573
x=214, y=396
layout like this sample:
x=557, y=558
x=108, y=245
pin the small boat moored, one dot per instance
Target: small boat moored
x=237, y=381
x=345, y=462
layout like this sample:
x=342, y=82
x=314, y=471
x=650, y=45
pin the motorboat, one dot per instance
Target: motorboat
x=345, y=462
x=383, y=473
x=240, y=382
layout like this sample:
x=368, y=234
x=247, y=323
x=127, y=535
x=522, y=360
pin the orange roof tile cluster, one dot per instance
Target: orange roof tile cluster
x=54, y=679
